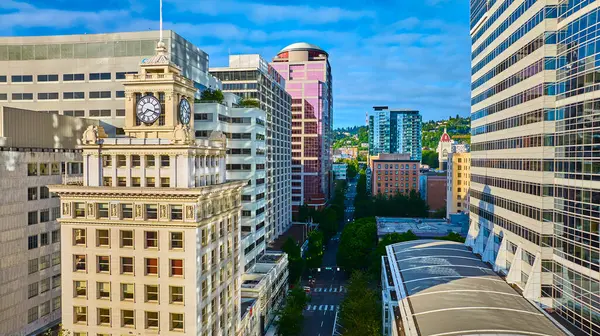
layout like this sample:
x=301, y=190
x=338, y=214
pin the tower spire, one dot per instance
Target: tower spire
x=161, y=23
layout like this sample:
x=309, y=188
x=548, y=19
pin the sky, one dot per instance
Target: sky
x=412, y=54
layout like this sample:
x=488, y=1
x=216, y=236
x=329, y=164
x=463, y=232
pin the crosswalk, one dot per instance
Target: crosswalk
x=340, y=289
x=322, y=308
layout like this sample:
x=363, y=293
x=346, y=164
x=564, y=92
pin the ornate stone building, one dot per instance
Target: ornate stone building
x=150, y=236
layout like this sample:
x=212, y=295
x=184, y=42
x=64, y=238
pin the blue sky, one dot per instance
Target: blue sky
x=402, y=53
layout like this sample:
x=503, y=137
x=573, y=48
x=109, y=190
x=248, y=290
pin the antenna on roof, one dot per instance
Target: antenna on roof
x=161, y=23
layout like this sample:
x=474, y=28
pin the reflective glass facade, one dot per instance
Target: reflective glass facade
x=534, y=193
x=393, y=131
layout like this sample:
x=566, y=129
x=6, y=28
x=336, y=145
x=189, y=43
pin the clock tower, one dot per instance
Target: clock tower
x=158, y=99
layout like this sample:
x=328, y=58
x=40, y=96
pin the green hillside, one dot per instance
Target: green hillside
x=459, y=129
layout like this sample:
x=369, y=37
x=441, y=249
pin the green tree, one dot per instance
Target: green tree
x=210, y=95
x=356, y=243
x=453, y=236
x=291, y=320
x=430, y=158
x=360, y=312
x=314, y=252
x=439, y=213
x=328, y=222
x=295, y=261
x=247, y=102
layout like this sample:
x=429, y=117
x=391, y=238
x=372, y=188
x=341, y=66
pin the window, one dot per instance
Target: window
x=32, y=314
x=47, y=78
x=102, y=210
x=176, y=322
x=176, y=212
x=121, y=181
x=127, y=265
x=126, y=238
x=73, y=95
x=55, y=215
x=100, y=113
x=151, y=266
x=80, y=289
x=127, y=212
x=121, y=75
x=56, y=303
x=78, y=236
x=79, y=209
x=127, y=292
x=128, y=318
x=45, y=308
x=56, y=236
x=44, y=192
x=32, y=169
x=32, y=217
x=135, y=161
x=80, y=315
x=176, y=294
x=151, y=293
x=100, y=94
x=165, y=161
x=22, y=78
x=106, y=160
x=33, y=290
x=103, y=290
x=80, y=262
x=33, y=265
x=107, y=181
x=121, y=161
x=151, y=320
x=74, y=113
x=103, y=316
x=73, y=77
x=44, y=262
x=32, y=194
x=56, y=258
x=151, y=211
x=44, y=215
x=136, y=181
x=56, y=281
x=150, y=161
x=100, y=76
x=177, y=267
x=176, y=240
x=150, y=182
x=32, y=242
x=165, y=182
x=120, y=112
x=45, y=285
x=47, y=96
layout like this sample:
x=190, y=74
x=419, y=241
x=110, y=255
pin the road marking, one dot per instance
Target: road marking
x=325, y=312
x=318, y=289
x=321, y=307
x=331, y=308
x=322, y=323
x=335, y=290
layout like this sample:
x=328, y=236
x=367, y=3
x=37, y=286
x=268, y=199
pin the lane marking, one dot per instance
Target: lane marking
x=331, y=308
x=322, y=323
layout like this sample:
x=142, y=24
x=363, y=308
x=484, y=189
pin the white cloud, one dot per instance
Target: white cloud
x=261, y=13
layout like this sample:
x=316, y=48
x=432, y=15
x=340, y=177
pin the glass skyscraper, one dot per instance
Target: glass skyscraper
x=395, y=131
x=535, y=174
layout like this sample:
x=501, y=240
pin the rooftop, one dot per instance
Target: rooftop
x=301, y=46
x=445, y=289
x=247, y=304
x=422, y=227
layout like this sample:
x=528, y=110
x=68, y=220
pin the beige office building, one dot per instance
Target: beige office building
x=83, y=75
x=459, y=180
x=36, y=149
x=151, y=235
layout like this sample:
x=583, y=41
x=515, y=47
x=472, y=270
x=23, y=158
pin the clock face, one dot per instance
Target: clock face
x=185, y=111
x=148, y=109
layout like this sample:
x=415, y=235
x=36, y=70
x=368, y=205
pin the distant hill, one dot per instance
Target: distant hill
x=458, y=128
x=350, y=136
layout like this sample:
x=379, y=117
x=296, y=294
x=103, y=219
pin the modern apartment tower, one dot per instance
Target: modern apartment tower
x=395, y=131
x=307, y=72
x=150, y=236
x=534, y=192
x=246, y=160
x=82, y=75
x=252, y=78
x=38, y=149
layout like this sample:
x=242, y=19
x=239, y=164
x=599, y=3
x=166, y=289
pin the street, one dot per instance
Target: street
x=330, y=284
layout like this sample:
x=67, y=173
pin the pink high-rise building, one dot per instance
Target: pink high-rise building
x=308, y=79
